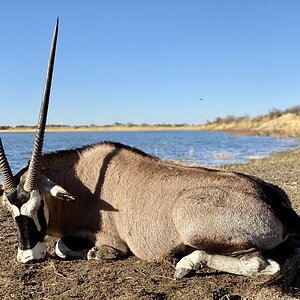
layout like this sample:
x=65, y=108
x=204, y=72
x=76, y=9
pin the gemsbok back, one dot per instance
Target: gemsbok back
x=105, y=200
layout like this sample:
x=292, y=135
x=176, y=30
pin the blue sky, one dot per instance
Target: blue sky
x=149, y=61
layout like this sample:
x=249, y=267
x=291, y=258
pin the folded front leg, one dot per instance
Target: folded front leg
x=107, y=247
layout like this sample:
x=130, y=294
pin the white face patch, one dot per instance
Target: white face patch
x=30, y=208
x=36, y=253
x=15, y=211
x=12, y=208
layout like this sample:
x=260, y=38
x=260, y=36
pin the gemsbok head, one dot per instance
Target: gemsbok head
x=26, y=199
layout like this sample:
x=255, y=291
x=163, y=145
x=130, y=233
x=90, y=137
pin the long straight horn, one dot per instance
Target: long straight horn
x=8, y=179
x=30, y=182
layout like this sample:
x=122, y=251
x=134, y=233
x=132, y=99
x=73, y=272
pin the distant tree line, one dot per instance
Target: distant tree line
x=273, y=113
x=116, y=124
x=292, y=110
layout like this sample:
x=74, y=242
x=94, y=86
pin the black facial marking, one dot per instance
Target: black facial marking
x=28, y=233
x=18, y=196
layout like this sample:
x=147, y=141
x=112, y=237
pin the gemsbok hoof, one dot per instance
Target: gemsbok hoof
x=181, y=272
x=102, y=252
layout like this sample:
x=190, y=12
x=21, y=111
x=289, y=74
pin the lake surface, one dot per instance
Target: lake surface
x=209, y=148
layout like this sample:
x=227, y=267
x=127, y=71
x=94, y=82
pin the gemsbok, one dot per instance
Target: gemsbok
x=106, y=200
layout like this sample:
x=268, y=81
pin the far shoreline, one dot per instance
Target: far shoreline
x=141, y=128
x=104, y=128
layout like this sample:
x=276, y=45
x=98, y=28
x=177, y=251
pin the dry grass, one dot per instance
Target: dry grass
x=283, y=125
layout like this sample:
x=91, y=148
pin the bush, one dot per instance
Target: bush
x=5, y=127
x=275, y=113
x=229, y=119
x=293, y=110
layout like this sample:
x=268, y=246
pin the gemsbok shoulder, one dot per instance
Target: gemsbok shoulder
x=105, y=200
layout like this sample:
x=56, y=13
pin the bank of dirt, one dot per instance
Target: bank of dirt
x=132, y=278
x=287, y=125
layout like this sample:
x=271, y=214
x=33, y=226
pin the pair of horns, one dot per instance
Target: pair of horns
x=31, y=179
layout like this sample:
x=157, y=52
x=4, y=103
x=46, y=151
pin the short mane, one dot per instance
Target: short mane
x=79, y=150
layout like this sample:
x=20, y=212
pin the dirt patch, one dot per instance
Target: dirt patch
x=132, y=278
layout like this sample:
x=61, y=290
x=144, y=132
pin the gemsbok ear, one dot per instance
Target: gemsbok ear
x=55, y=190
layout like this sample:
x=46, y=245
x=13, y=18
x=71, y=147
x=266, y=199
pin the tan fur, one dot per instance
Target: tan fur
x=155, y=207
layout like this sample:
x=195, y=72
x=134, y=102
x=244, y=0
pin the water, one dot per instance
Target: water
x=209, y=148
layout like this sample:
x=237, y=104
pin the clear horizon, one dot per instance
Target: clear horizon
x=149, y=62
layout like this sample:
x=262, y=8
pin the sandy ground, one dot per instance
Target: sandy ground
x=132, y=278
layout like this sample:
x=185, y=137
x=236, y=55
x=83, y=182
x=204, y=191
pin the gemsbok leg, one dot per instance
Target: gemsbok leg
x=247, y=265
x=75, y=247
